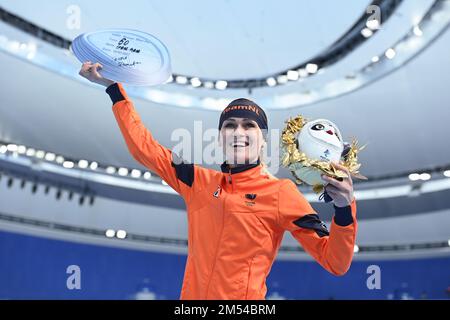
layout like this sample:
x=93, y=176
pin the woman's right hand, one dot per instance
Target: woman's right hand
x=89, y=71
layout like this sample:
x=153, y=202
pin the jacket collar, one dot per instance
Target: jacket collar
x=240, y=168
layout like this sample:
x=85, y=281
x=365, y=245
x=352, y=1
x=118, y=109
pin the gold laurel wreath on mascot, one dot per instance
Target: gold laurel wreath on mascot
x=307, y=158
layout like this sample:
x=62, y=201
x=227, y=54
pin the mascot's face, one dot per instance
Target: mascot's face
x=325, y=132
x=321, y=140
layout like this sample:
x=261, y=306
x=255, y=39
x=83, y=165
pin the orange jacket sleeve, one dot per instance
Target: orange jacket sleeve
x=145, y=149
x=332, y=250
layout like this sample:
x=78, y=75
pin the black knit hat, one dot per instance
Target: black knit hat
x=244, y=108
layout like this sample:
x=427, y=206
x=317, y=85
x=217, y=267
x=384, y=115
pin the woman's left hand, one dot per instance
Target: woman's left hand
x=340, y=191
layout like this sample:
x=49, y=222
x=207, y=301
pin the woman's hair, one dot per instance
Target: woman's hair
x=264, y=165
x=261, y=153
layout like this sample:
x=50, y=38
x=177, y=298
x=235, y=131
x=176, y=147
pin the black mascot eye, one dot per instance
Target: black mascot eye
x=318, y=127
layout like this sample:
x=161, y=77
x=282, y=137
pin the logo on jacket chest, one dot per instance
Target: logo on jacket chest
x=250, y=199
x=217, y=193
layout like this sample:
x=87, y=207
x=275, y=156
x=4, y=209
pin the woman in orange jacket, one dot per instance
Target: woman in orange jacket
x=237, y=217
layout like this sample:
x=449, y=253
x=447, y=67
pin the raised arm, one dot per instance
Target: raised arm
x=140, y=142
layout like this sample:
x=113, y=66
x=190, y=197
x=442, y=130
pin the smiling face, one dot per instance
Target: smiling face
x=241, y=140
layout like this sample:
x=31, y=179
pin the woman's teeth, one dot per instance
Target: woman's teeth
x=240, y=144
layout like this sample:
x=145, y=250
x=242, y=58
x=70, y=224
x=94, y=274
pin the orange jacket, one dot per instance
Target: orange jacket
x=236, y=218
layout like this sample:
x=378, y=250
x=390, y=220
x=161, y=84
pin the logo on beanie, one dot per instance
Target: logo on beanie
x=250, y=108
x=244, y=108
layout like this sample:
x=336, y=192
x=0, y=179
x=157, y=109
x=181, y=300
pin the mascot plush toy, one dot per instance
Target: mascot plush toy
x=309, y=147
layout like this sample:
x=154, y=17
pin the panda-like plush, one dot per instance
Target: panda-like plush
x=308, y=147
x=319, y=140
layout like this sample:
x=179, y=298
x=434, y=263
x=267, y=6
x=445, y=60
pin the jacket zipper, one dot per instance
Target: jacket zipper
x=217, y=250
x=230, y=180
x=221, y=233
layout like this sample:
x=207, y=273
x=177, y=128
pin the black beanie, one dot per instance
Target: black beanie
x=244, y=108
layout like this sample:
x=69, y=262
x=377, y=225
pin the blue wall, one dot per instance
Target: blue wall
x=35, y=268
